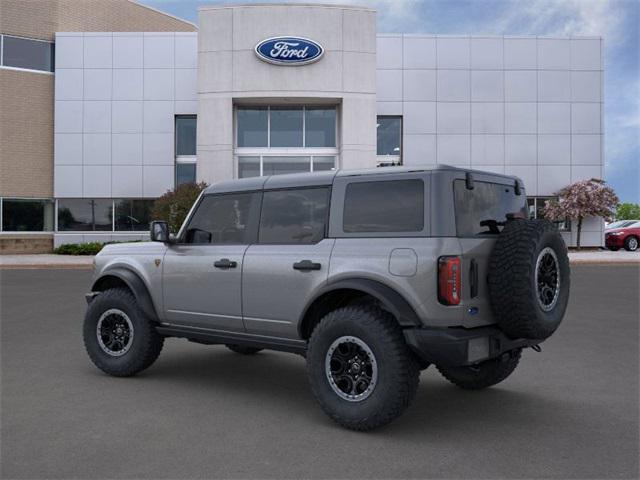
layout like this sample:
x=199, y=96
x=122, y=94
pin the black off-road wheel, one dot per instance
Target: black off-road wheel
x=631, y=243
x=485, y=374
x=118, y=337
x=529, y=279
x=361, y=372
x=242, y=349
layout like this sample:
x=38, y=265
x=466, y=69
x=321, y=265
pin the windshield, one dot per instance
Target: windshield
x=622, y=224
x=484, y=209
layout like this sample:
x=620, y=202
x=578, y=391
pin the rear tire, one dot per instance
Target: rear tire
x=119, y=338
x=631, y=243
x=485, y=374
x=360, y=369
x=242, y=349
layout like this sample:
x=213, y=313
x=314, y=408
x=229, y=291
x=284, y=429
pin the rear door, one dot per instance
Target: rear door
x=289, y=262
x=490, y=200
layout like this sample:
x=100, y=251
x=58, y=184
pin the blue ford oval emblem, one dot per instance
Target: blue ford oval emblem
x=289, y=50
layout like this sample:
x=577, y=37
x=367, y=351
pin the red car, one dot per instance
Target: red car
x=627, y=237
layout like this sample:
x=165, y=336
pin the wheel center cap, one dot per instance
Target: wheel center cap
x=355, y=368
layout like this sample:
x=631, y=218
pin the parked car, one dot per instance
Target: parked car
x=627, y=237
x=371, y=275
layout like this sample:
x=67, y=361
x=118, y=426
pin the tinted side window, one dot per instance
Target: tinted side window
x=294, y=216
x=225, y=218
x=384, y=206
x=486, y=202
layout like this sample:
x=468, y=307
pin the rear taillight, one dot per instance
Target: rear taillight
x=449, y=280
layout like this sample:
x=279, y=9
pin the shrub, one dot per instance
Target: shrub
x=174, y=205
x=628, y=211
x=90, y=248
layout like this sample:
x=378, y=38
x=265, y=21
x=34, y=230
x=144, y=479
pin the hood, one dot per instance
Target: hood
x=133, y=248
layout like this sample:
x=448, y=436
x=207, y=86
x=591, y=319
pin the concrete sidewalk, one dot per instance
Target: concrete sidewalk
x=46, y=261
x=604, y=257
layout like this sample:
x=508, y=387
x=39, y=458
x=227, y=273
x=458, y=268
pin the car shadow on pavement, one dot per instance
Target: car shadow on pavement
x=278, y=381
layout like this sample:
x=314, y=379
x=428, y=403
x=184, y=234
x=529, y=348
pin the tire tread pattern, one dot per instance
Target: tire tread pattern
x=405, y=372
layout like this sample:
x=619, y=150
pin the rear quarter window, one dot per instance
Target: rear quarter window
x=486, y=202
x=384, y=206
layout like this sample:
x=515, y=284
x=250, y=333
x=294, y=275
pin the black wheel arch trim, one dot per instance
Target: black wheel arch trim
x=135, y=284
x=388, y=297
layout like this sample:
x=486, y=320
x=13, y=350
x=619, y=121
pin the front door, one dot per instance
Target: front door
x=202, y=273
x=289, y=262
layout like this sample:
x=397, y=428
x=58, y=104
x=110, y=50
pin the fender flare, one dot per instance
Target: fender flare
x=135, y=284
x=390, y=299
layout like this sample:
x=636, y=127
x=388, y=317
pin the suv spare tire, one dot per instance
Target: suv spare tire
x=529, y=279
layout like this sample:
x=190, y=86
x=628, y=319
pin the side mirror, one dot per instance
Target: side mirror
x=159, y=231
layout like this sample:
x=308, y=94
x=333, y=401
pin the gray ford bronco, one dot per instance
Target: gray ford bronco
x=371, y=275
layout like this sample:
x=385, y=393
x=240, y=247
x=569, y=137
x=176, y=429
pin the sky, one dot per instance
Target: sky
x=617, y=21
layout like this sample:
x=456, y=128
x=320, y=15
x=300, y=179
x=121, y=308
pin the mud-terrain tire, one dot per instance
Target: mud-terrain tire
x=131, y=355
x=485, y=374
x=631, y=243
x=341, y=339
x=242, y=349
x=529, y=279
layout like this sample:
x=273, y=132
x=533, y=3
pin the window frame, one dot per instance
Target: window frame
x=340, y=184
x=22, y=69
x=254, y=216
x=54, y=222
x=269, y=151
x=395, y=160
x=325, y=232
x=183, y=159
x=567, y=220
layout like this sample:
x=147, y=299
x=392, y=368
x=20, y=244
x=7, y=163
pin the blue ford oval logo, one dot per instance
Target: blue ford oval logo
x=289, y=50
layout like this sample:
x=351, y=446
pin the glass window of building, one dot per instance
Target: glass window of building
x=224, y=219
x=385, y=206
x=286, y=127
x=253, y=127
x=185, y=145
x=133, y=215
x=389, y=140
x=27, y=215
x=294, y=216
x=320, y=127
x=274, y=140
x=26, y=53
x=85, y=215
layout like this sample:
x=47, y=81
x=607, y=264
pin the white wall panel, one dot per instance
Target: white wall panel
x=585, y=54
x=454, y=117
x=158, y=84
x=68, y=148
x=554, y=149
x=554, y=118
x=554, y=86
x=389, y=51
x=127, y=117
x=158, y=149
x=453, y=52
x=585, y=87
x=126, y=148
x=69, y=84
x=97, y=84
x=487, y=85
x=453, y=85
x=487, y=117
x=487, y=53
x=127, y=51
x=520, y=118
x=98, y=51
x=585, y=118
x=520, y=53
x=419, y=117
x=96, y=181
x=96, y=116
x=157, y=180
x=69, y=50
x=554, y=54
x=585, y=150
x=419, y=85
x=158, y=51
x=520, y=149
x=419, y=149
x=454, y=149
x=96, y=149
x=128, y=84
x=552, y=178
x=487, y=150
x=419, y=52
x=127, y=181
x=67, y=116
x=521, y=85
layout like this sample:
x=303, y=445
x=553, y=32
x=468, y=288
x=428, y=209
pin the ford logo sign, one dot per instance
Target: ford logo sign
x=289, y=51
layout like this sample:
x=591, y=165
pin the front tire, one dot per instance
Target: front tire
x=631, y=244
x=485, y=374
x=119, y=338
x=360, y=369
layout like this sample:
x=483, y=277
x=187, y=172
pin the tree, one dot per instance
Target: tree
x=628, y=211
x=586, y=198
x=174, y=205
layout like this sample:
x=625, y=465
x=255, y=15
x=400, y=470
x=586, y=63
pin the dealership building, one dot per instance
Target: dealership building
x=106, y=109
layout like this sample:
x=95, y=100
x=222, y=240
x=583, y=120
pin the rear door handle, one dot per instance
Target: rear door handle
x=225, y=263
x=306, y=265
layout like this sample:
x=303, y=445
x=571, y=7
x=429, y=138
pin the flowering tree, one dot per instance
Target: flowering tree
x=174, y=205
x=586, y=198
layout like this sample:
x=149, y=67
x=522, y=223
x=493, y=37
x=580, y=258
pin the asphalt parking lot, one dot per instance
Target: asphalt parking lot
x=205, y=412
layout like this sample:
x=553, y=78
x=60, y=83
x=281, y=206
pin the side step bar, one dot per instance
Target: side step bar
x=215, y=337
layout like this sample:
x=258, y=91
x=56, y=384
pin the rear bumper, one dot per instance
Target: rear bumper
x=455, y=347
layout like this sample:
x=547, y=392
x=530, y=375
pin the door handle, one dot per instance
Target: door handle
x=306, y=265
x=225, y=263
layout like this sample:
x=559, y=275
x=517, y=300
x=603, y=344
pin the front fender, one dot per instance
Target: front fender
x=135, y=284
